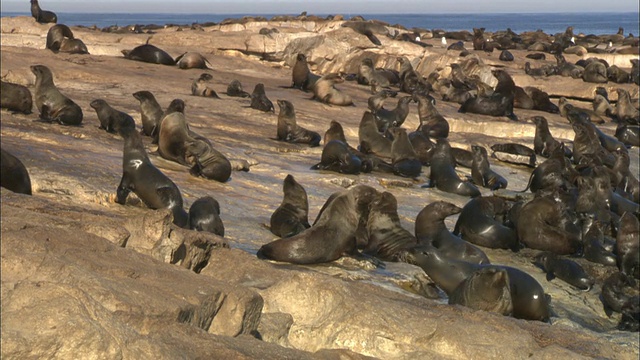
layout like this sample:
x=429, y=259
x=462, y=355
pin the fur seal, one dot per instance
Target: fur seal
x=617, y=75
x=524, y=155
x=485, y=289
x=481, y=172
x=423, y=146
x=594, y=249
x=564, y=269
x=546, y=70
x=150, y=111
x=393, y=118
x=527, y=296
x=259, y=99
x=628, y=134
x=371, y=141
x=14, y=175
x=150, y=54
x=404, y=160
x=543, y=142
x=204, y=215
x=153, y=187
x=331, y=236
x=595, y=72
x=301, y=77
x=366, y=73
x=42, y=16
x=288, y=129
x=292, y=216
x=368, y=29
x=235, y=89
x=56, y=34
x=432, y=123
x=15, y=97
x=500, y=103
x=324, y=90
x=192, y=60
x=477, y=224
x=541, y=100
x=536, y=56
x=627, y=245
x=337, y=156
x=431, y=230
x=199, y=87
x=443, y=175
x=111, y=119
x=620, y=294
x=506, y=55
x=53, y=105
x=625, y=111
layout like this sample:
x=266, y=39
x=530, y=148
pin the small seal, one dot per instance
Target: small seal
x=292, y=216
x=42, y=16
x=111, y=119
x=627, y=245
x=620, y=294
x=200, y=88
x=150, y=54
x=259, y=99
x=543, y=142
x=204, y=215
x=481, y=172
x=192, y=60
x=432, y=124
x=15, y=97
x=338, y=157
x=301, y=77
x=404, y=160
x=235, y=90
x=150, y=111
x=153, y=187
x=564, y=269
x=477, y=224
x=366, y=73
x=324, y=90
x=485, y=289
x=506, y=55
x=53, y=106
x=14, y=175
x=288, y=129
x=541, y=100
x=443, y=175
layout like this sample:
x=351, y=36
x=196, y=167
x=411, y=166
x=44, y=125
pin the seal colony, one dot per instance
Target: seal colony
x=355, y=219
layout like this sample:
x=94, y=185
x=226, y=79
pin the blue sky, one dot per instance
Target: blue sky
x=325, y=7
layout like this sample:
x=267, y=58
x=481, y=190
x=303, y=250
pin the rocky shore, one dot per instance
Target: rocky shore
x=82, y=274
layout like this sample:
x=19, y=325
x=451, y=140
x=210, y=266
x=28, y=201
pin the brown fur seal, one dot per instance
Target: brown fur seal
x=564, y=269
x=524, y=155
x=368, y=29
x=288, y=129
x=485, y=289
x=393, y=118
x=404, y=160
x=150, y=111
x=410, y=80
x=620, y=294
x=594, y=249
x=423, y=146
x=500, y=103
x=432, y=124
x=324, y=90
x=73, y=46
x=259, y=99
x=192, y=60
x=331, y=236
x=625, y=111
x=628, y=245
x=595, y=72
x=56, y=34
x=543, y=142
x=53, y=105
x=153, y=187
x=477, y=224
x=14, y=175
x=371, y=141
x=207, y=161
x=443, y=175
x=366, y=73
x=527, y=296
x=339, y=157
x=235, y=89
x=199, y=87
x=204, y=215
x=628, y=134
x=481, y=172
x=150, y=54
x=301, y=77
x=42, y=16
x=111, y=119
x=541, y=100
x=554, y=172
x=431, y=230
x=292, y=216
x=546, y=70
x=15, y=97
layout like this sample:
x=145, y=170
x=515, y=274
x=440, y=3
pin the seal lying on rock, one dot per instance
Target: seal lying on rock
x=16, y=97
x=200, y=88
x=485, y=289
x=324, y=90
x=192, y=60
x=149, y=53
x=235, y=89
x=564, y=269
x=14, y=175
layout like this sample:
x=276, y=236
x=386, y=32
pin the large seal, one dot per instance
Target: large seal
x=627, y=245
x=234, y=89
x=204, y=215
x=443, y=175
x=477, y=223
x=543, y=142
x=527, y=296
x=192, y=60
x=149, y=53
x=324, y=90
x=153, y=187
x=56, y=34
x=595, y=72
x=331, y=236
x=481, y=172
x=53, y=106
x=150, y=111
x=430, y=230
x=259, y=99
x=301, y=77
x=16, y=97
x=14, y=175
x=564, y=269
x=500, y=103
x=485, y=289
x=404, y=160
x=371, y=141
x=199, y=87
x=42, y=16
x=111, y=119
x=292, y=216
x=625, y=111
x=432, y=124
x=290, y=131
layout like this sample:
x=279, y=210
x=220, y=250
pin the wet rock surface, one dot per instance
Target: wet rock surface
x=133, y=282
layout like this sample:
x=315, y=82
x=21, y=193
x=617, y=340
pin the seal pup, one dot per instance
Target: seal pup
x=594, y=248
x=514, y=153
x=404, y=160
x=506, y=55
x=337, y=156
x=199, y=87
x=477, y=224
x=431, y=230
x=204, y=215
x=192, y=60
x=259, y=99
x=150, y=54
x=601, y=106
x=371, y=141
x=111, y=119
x=628, y=245
x=331, y=236
x=443, y=175
x=500, y=103
x=485, y=289
x=42, y=16
x=153, y=187
x=150, y=111
x=564, y=269
x=53, y=105
x=410, y=80
x=207, y=161
x=292, y=216
x=543, y=142
x=481, y=172
x=301, y=77
x=324, y=90
x=386, y=119
x=14, y=175
x=15, y=97
x=235, y=89
x=432, y=123
x=288, y=129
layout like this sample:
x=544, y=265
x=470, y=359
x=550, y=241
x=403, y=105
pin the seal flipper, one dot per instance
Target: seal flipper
x=123, y=190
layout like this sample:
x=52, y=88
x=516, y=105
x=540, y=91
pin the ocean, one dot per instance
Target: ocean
x=551, y=23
